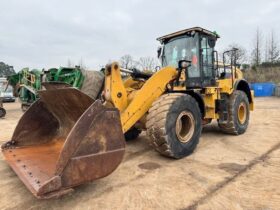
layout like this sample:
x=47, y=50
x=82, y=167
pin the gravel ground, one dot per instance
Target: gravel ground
x=224, y=172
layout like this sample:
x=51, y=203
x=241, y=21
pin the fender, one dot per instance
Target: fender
x=198, y=97
x=244, y=86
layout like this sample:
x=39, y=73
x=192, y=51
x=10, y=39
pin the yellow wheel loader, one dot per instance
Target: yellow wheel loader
x=67, y=138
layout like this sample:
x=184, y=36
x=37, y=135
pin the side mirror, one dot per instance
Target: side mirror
x=159, y=51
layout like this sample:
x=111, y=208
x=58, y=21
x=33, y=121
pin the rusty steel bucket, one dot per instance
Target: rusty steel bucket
x=63, y=140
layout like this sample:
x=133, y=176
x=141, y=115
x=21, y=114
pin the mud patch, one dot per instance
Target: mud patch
x=232, y=168
x=198, y=177
x=149, y=166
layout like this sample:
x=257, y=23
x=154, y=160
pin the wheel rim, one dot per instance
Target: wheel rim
x=185, y=126
x=242, y=113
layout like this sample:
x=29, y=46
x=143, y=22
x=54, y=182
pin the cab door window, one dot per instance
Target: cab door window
x=207, y=58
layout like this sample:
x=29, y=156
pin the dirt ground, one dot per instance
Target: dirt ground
x=224, y=172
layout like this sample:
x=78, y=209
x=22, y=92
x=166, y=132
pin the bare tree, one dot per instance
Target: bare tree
x=82, y=64
x=127, y=62
x=147, y=63
x=273, y=49
x=266, y=51
x=69, y=63
x=257, y=45
x=240, y=55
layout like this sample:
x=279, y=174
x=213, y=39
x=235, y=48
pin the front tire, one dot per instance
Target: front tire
x=174, y=125
x=238, y=114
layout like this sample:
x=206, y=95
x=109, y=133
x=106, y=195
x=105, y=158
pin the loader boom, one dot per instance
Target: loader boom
x=154, y=87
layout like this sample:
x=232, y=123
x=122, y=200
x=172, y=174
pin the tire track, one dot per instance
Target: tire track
x=227, y=181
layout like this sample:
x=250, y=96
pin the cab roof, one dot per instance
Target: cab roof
x=189, y=30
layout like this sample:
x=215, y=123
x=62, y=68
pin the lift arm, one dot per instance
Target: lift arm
x=153, y=88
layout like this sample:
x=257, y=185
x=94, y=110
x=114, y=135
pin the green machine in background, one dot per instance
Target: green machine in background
x=71, y=76
x=27, y=82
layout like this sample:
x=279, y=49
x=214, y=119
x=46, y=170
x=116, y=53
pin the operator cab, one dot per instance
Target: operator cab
x=196, y=46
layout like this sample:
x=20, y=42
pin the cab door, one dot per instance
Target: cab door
x=194, y=73
x=207, y=45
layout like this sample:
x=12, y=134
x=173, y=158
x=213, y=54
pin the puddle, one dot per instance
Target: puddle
x=149, y=166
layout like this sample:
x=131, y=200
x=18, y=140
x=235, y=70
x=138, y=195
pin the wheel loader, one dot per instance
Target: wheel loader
x=68, y=138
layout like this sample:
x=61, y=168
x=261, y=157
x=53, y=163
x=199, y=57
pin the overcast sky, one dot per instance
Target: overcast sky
x=47, y=33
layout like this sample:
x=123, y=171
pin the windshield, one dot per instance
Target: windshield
x=177, y=49
x=182, y=48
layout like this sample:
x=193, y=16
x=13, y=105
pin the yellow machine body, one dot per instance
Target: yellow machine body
x=134, y=97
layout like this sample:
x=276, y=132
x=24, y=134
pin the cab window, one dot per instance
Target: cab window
x=207, y=57
x=182, y=48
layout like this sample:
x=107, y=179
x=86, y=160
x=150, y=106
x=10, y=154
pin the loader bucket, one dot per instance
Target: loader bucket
x=63, y=140
x=55, y=85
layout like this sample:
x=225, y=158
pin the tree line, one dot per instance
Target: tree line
x=144, y=63
x=265, y=51
x=6, y=70
x=147, y=63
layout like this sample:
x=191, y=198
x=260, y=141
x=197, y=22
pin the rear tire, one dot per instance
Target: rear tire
x=238, y=114
x=93, y=83
x=174, y=125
